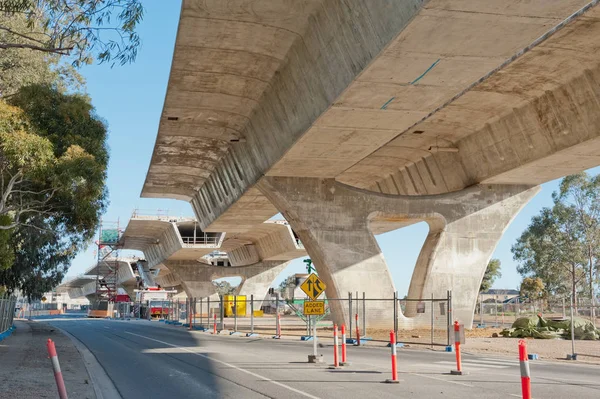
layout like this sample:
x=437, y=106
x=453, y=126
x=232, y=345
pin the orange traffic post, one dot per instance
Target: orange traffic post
x=215, y=323
x=394, y=379
x=525, y=373
x=344, y=362
x=458, y=370
x=357, y=331
x=60, y=383
x=336, y=361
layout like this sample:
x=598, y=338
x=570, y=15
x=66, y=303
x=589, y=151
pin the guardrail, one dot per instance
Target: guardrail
x=7, y=312
x=201, y=240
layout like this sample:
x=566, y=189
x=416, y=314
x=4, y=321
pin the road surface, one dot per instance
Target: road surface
x=150, y=360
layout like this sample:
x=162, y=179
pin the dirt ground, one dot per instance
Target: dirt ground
x=26, y=371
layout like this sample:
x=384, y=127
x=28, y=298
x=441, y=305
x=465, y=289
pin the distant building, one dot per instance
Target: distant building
x=500, y=295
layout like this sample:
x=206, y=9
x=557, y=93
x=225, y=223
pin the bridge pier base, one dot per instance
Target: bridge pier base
x=336, y=224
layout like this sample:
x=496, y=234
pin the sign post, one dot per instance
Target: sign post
x=314, y=287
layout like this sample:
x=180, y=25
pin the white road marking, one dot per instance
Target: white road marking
x=444, y=380
x=230, y=365
x=475, y=365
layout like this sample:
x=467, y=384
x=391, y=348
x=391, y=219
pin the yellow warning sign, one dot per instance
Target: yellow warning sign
x=313, y=286
x=314, y=307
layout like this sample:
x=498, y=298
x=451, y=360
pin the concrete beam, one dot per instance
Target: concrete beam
x=197, y=279
x=334, y=223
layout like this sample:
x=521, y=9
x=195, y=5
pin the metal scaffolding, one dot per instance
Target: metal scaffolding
x=107, y=265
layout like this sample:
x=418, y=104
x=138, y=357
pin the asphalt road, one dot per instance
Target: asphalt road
x=150, y=360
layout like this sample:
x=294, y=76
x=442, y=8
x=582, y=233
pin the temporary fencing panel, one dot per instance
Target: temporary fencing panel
x=376, y=317
x=7, y=311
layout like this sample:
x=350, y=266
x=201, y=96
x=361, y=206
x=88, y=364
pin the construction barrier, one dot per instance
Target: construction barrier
x=457, y=340
x=525, y=373
x=215, y=324
x=344, y=360
x=60, y=383
x=336, y=362
x=394, y=379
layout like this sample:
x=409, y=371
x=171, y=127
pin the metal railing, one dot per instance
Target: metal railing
x=201, y=240
x=7, y=311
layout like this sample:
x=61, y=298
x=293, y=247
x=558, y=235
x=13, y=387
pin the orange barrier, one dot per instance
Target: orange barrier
x=336, y=362
x=98, y=313
x=458, y=370
x=344, y=362
x=525, y=373
x=60, y=383
x=394, y=379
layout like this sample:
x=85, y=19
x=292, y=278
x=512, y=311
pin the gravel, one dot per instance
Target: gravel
x=26, y=371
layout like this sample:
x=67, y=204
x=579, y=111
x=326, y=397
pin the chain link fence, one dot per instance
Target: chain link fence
x=7, y=312
x=371, y=319
x=499, y=314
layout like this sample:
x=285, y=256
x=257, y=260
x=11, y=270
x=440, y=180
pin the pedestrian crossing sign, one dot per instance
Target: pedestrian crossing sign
x=313, y=286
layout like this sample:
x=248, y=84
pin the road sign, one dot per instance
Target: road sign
x=313, y=286
x=314, y=308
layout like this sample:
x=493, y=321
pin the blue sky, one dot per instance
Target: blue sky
x=130, y=99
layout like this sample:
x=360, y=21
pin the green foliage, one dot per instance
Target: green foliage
x=561, y=244
x=56, y=143
x=78, y=138
x=42, y=258
x=80, y=29
x=492, y=272
x=7, y=254
x=223, y=287
x=532, y=288
x=22, y=67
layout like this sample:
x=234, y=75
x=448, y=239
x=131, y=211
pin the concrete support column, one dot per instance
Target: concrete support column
x=195, y=278
x=335, y=223
x=456, y=253
x=259, y=284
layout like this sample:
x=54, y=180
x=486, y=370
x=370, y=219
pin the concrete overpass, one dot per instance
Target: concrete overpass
x=179, y=248
x=85, y=285
x=354, y=118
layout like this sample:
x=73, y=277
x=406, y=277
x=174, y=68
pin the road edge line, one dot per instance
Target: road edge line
x=230, y=365
x=103, y=385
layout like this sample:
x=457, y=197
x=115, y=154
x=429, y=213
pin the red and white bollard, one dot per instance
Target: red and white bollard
x=60, y=383
x=344, y=361
x=215, y=324
x=525, y=373
x=394, y=379
x=336, y=360
x=458, y=370
x=357, y=331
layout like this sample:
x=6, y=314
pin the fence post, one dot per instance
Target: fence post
x=525, y=373
x=364, y=315
x=449, y=324
x=394, y=379
x=432, y=320
x=395, y=315
x=235, y=312
x=277, y=321
x=350, y=313
x=208, y=311
x=60, y=383
x=222, y=314
x=357, y=331
x=252, y=314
